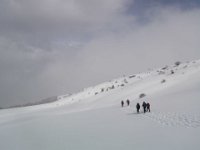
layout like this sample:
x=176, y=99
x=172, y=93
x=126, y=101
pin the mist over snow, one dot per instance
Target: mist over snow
x=54, y=47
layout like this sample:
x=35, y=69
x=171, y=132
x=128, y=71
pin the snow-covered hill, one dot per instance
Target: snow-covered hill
x=93, y=118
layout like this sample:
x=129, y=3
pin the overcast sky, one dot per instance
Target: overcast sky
x=53, y=47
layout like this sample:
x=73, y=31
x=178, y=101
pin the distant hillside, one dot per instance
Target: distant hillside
x=43, y=101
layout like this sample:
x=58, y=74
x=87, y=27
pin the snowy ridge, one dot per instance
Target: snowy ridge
x=137, y=84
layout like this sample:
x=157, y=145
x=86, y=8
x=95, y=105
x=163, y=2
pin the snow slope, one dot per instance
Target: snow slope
x=93, y=119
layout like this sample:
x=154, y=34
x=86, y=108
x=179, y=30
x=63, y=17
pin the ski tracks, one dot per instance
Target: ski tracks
x=175, y=119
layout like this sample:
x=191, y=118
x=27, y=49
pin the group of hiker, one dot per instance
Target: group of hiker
x=127, y=102
x=146, y=106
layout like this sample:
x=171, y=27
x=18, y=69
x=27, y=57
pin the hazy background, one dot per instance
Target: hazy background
x=53, y=47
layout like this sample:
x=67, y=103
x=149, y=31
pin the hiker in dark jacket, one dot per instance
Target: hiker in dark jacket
x=144, y=105
x=122, y=103
x=128, y=102
x=148, y=107
x=138, y=107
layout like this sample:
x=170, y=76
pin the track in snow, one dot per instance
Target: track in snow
x=175, y=119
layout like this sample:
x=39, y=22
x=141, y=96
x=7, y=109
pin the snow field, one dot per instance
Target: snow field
x=88, y=121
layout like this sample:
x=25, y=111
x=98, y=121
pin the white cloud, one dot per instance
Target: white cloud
x=67, y=16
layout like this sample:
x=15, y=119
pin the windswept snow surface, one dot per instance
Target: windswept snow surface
x=94, y=120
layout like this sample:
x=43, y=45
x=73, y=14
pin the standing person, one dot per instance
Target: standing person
x=122, y=103
x=138, y=107
x=144, y=105
x=148, y=107
x=128, y=102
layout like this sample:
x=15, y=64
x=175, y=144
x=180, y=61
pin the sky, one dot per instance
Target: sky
x=55, y=47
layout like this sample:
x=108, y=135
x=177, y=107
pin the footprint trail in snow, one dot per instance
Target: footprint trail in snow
x=175, y=119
